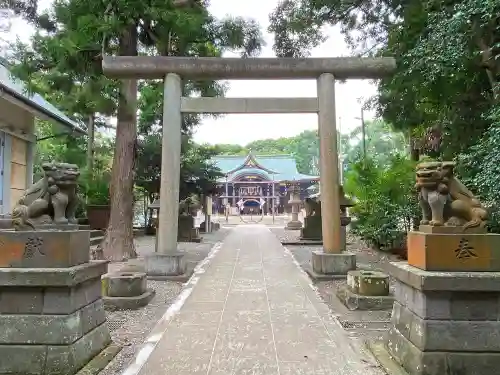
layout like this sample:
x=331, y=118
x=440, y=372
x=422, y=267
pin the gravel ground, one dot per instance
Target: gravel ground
x=356, y=323
x=130, y=328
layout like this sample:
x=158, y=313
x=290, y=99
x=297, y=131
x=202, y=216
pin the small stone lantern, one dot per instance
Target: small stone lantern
x=152, y=224
x=312, y=230
x=345, y=220
x=295, y=223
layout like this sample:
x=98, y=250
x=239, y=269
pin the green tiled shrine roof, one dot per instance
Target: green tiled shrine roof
x=284, y=166
x=17, y=89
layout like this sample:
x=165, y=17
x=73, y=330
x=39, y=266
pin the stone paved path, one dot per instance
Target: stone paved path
x=254, y=312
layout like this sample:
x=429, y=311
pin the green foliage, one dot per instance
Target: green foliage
x=95, y=187
x=386, y=204
x=480, y=170
x=198, y=175
x=382, y=144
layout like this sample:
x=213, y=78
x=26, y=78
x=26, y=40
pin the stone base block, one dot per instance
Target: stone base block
x=293, y=225
x=417, y=362
x=51, y=329
x=454, y=251
x=302, y=242
x=128, y=303
x=333, y=264
x=52, y=320
x=368, y=283
x=44, y=248
x=165, y=265
x=445, y=323
x=355, y=301
x=54, y=359
x=125, y=284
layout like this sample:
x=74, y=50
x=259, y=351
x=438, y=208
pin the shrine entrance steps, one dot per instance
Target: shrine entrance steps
x=250, y=310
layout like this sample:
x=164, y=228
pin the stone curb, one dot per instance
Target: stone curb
x=177, y=278
x=377, y=349
x=128, y=303
x=101, y=360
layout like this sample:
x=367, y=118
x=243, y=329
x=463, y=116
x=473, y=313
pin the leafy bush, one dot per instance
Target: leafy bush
x=95, y=189
x=386, y=203
x=480, y=170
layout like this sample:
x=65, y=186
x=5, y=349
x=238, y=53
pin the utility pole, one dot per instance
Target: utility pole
x=363, y=132
x=341, y=155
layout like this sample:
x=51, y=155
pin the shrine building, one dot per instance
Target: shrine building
x=256, y=181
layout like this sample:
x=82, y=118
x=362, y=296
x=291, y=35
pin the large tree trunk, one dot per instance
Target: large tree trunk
x=118, y=243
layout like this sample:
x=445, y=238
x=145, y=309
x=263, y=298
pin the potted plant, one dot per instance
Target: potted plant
x=98, y=201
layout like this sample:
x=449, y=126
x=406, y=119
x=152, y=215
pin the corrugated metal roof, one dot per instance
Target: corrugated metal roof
x=285, y=165
x=17, y=89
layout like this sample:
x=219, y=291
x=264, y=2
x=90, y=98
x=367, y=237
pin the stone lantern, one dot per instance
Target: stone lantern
x=344, y=219
x=295, y=223
x=312, y=230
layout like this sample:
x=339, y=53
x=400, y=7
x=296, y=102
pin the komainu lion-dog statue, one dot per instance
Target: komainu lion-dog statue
x=445, y=200
x=312, y=207
x=51, y=200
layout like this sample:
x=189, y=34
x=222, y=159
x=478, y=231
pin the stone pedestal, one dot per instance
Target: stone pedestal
x=52, y=318
x=446, y=249
x=328, y=266
x=312, y=230
x=445, y=323
x=126, y=290
x=366, y=290
x=165, y=266
x=186, y=230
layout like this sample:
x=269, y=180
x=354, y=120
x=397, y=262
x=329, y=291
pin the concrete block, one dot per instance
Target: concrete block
x=22, y=359
x=333, y=264
x=355, y=301
x=53, y=277
x=125, y=284
x=68, y=359
x=444, y=281
x=44, y=249
x=92, y=316
x=368, y=283
x=50, y=329
x=448, y=305
x=18, y=300
x=65, y=300
x=165, y=264
x=40, y=329
x=416, y=362
x=446, y=335
x=128, y=303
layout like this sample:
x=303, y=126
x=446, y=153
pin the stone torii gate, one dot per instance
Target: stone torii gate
x=168, y=260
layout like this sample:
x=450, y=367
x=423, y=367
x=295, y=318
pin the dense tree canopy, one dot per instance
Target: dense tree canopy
x=63, y=62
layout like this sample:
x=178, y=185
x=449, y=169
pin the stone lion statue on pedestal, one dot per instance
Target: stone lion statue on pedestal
x=312, y=207
x=445, y=200
x=51, y=200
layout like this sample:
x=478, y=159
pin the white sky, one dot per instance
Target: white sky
x=242, y=129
